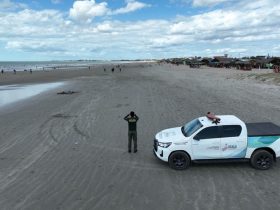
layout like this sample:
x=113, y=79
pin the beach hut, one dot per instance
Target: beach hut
x=206, y=61
x=261, y=62
x=275, y=61
x=276, y=64
x=222, y=62
x=186, y=61
x=195, y=62
x=243, y=65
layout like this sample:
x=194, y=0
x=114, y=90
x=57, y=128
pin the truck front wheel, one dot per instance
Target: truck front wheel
x=179, y=160
x=262, y=160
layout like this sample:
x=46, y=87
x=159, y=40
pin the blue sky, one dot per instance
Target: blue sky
x=137, y=29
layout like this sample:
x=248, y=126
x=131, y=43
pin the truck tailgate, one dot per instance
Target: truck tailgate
x=263, y=129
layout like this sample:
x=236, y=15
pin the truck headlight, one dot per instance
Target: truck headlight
x=164, y=145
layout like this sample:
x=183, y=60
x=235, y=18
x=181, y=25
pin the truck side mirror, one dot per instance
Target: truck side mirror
x=196, y=137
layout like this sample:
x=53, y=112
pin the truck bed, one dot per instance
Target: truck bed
x=263, y=129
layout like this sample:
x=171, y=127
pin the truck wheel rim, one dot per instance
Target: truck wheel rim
x=263, y=162
x=179, y=161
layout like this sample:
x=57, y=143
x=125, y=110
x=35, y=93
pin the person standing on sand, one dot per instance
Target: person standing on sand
x=2, y=71
x=132, y=119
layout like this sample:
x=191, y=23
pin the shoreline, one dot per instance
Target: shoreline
x=45, y=76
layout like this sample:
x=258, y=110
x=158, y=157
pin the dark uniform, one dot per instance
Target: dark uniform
x=132, y=131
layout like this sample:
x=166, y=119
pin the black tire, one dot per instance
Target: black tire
x=179, y=160
x=262, y=160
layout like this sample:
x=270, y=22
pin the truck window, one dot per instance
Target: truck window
x=191, y=127
x=231, y=131
x=208, y=133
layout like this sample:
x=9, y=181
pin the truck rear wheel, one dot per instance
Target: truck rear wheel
x=262, y=160
x=179, y=160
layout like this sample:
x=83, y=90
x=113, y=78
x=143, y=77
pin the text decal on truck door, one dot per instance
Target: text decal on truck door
x=226, y=147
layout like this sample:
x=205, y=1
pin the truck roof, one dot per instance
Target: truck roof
x=225, y=120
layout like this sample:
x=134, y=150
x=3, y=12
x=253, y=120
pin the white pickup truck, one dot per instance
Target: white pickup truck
x=228, y=139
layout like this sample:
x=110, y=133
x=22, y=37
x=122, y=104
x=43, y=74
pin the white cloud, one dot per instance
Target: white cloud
x=33, y=46
x=202, y=3
x=33, y=24
x=56, y=1
x=131, y=7
x=104, y=27
x=237, y=25
x=9, y=5
x=87, y=10
x=232, y=30
x=207, y=3
x=257, y=4
x=211, y=21
x=168, y=41
x=276, y=47
x=230, y=50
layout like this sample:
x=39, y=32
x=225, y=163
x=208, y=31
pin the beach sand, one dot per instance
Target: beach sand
x=70, y=151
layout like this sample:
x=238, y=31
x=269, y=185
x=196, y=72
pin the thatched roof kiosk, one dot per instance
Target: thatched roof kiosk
x=276, y=61
x=195, y=63
x=244, y=65
x=206, y=61
x=223, y=62
x=261, y=62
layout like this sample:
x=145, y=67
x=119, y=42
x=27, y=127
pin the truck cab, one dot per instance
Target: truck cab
x=205, y=139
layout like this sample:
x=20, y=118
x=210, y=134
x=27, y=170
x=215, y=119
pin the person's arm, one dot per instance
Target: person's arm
x=136, y=117
x=126, y=117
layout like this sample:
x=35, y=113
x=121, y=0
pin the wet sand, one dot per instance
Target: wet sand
x=70, y=151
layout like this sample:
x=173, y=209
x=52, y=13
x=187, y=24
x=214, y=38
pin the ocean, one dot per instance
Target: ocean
x=49, y=65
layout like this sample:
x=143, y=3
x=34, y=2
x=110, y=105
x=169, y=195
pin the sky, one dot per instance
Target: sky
x=39, y=30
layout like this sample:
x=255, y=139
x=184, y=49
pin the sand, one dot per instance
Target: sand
x=70, y=151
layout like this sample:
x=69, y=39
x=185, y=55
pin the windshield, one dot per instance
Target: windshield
x=191, y=127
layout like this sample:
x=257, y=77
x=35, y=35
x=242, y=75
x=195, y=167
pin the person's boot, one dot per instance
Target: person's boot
x=135, y=150
x=129, y=151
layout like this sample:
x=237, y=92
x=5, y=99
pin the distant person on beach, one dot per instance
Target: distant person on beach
x=2, y=71
x=15, y=72
x=113, y=69
x=30, y=71
x=132, y=119
x=104, y=69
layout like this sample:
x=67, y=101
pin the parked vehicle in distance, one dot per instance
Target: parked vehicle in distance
x=219, y=138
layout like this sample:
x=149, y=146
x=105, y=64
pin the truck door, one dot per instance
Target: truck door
x=206, y=144
x=233, y=145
